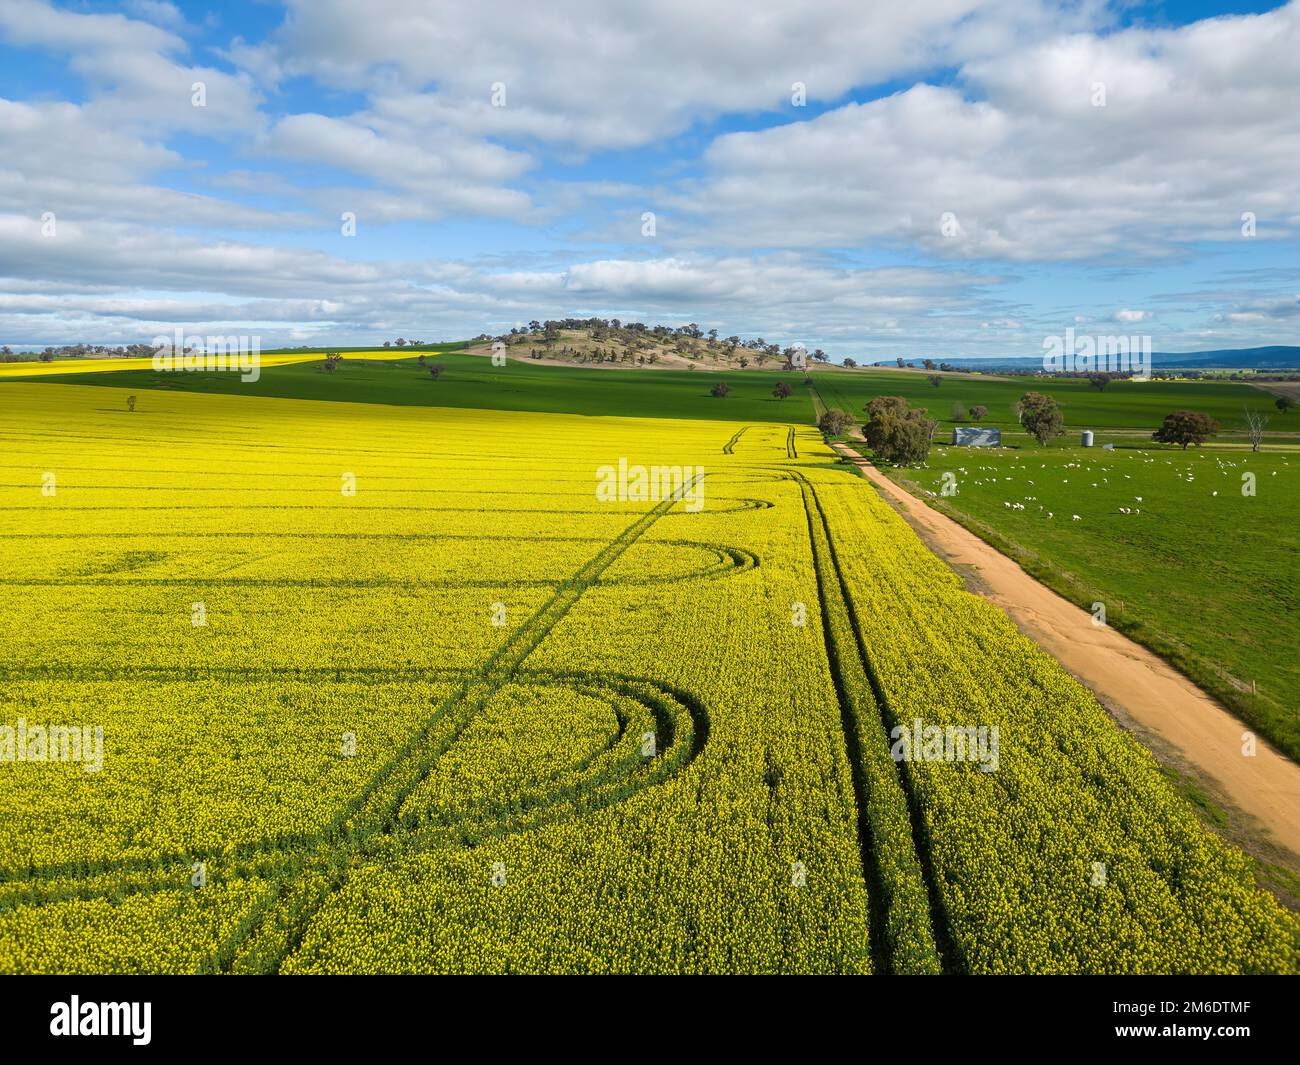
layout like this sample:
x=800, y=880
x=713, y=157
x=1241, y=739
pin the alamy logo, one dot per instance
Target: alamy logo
x=53, y=743
x=102, y=1018
x=626, y=483
x=946, y=743
x=236, y=353
x=1089, y=354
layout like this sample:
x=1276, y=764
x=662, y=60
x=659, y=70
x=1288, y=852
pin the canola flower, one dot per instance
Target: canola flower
x=1076, y=855
x=499, y=643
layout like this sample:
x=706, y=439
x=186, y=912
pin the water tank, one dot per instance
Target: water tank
x=1085, y=438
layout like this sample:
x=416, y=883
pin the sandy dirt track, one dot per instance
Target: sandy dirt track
x=1126, y=677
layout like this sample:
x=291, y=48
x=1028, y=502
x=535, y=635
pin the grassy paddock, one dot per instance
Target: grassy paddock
x=1197, y=571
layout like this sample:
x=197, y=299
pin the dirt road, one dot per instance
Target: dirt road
x=1169, y=712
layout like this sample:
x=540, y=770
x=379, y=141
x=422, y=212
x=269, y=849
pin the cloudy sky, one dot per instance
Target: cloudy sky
x=937, y=177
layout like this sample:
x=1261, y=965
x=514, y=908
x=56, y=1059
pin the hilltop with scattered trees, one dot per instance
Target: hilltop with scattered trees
x=613, y=342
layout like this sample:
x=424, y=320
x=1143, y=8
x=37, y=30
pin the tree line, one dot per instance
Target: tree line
x=901, y=434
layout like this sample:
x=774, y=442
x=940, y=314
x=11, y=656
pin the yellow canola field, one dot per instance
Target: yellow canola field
x=36, y=368
x=396, y=689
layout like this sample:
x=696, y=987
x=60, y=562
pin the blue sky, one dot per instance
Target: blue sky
x=958, y=177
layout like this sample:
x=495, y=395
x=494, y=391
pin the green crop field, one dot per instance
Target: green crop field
x=470, y=381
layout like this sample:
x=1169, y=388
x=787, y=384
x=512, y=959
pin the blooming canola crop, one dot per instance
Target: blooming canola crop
x=382, y=690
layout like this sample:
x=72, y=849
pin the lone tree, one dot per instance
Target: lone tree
x=959, y=412
x=782, y=390
x=435, y=371
x=897, y=432
x=849, y=364
x=1254, y=422
x=935, y=380
x=1040, y=417
x=978, y=413
x=834, y=422
x=1099, y=381
x=332, y=360
x=720, y=389
x=1185, y=427
x=1284, y=403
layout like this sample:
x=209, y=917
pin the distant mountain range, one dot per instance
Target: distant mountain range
x=1277, y=357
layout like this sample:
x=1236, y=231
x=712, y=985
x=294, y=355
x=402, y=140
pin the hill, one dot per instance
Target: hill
x=608, y=344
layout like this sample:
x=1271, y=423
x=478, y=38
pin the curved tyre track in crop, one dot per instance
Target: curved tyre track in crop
x=275, y=929
x=303, y=872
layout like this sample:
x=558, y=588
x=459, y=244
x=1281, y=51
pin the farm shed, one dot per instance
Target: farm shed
x=976, y=436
